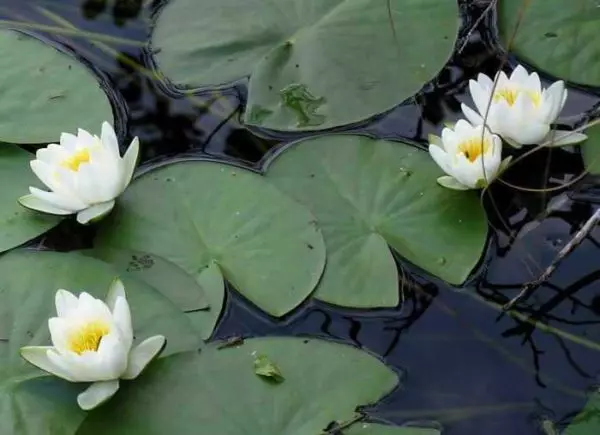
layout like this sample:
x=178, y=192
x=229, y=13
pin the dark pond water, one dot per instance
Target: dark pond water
x=466, y=365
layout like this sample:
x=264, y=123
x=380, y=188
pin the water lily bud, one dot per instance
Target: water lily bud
x=92, y=342
x=470, y=156
x=520, y=110
x=85, y=174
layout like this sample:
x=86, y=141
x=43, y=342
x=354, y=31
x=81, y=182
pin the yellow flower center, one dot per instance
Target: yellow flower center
x=510, y=96
x=76, y=159
x=473, y=148
x=88, y=337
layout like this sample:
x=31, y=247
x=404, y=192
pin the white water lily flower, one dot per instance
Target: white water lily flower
x=520, y=110
x=92, y=342
x=85, y=174
x=470, y=158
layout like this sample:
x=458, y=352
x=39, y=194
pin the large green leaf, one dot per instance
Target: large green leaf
x=587, y=422
x=218, y=392
x=380, y=429
x=45, y=92
x=166, y=277
x=18, y=224
x=369, y=193
x=30, y=402
x=554, y=35
x=313, y=64
x=195, y=213
x=591, y=150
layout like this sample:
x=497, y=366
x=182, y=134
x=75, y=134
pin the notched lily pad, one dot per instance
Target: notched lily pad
x=368, y=194
x=199, y=213
x=309, y=62
x=45, y=92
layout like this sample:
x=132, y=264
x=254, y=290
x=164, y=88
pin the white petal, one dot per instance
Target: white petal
x=53, y=154
x=64, y=202
x=553, y=99
x=66, y=302
x=559, y=138
x=69, y=142
x=122, y=318
x=93, y=308
x=485, y=82
x=34, y=203
x=141, y=355
x=88, y=188
x=129, y=162
x=113, y=355
x=59, y=329
x=38, y=356
x=97, y=393
x=473, y=117
x=115, y=290
x=441, y=158
x=95, y=212
x=46, y=174
x=520, y=75
x=480, y=96
x=109, y=139
x=451, y=183
x=530, y=133
x=85, y=138
x=463, y=128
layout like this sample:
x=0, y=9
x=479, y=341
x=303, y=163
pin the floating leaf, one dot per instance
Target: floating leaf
x=369, y=193
x=217, y=391
x=211, y=280
x=380, y=429
x=587, y=422
x=166, y=277
x=30, y=402
x=195, y=213
x=591, y=150
x=309, y=62
x=550, y=32
x=45, y=92
x=264, y=367
x=18, y=224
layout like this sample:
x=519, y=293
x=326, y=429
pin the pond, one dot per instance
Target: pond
x=466, y=366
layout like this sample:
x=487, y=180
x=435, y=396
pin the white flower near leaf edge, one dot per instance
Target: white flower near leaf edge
x=92, y=342
x=471, y=158
x=85, y=174
x=521, y=111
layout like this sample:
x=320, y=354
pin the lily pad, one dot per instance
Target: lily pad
x=309, y=62
x=205, y=321
x=380, y=429
x=45, y=92
x=166, y=277
x=18, y=224
x=32, y=403
x=554, y=35
x=587, y=422
x=195, y=213
x=591, y=150
x=218, y=391
x=369, y=193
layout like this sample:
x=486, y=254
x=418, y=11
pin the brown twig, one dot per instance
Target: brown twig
x=573, y=243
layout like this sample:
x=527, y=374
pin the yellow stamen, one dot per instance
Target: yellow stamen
x=88, y=337
x=510, y=96
x=473, y=148
x=77, y=159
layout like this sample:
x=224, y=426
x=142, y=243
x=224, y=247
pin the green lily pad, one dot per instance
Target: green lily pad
x=195, y=213
x=550, y=32
x=587, y=422
x=380, y=429
x=45, y=92
x=18, y=224
x=32, y=403
x=166, y=277
x=217, y=391
x=309, y=62
x=369, y=193
x=591, y=150
x=205, y=321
